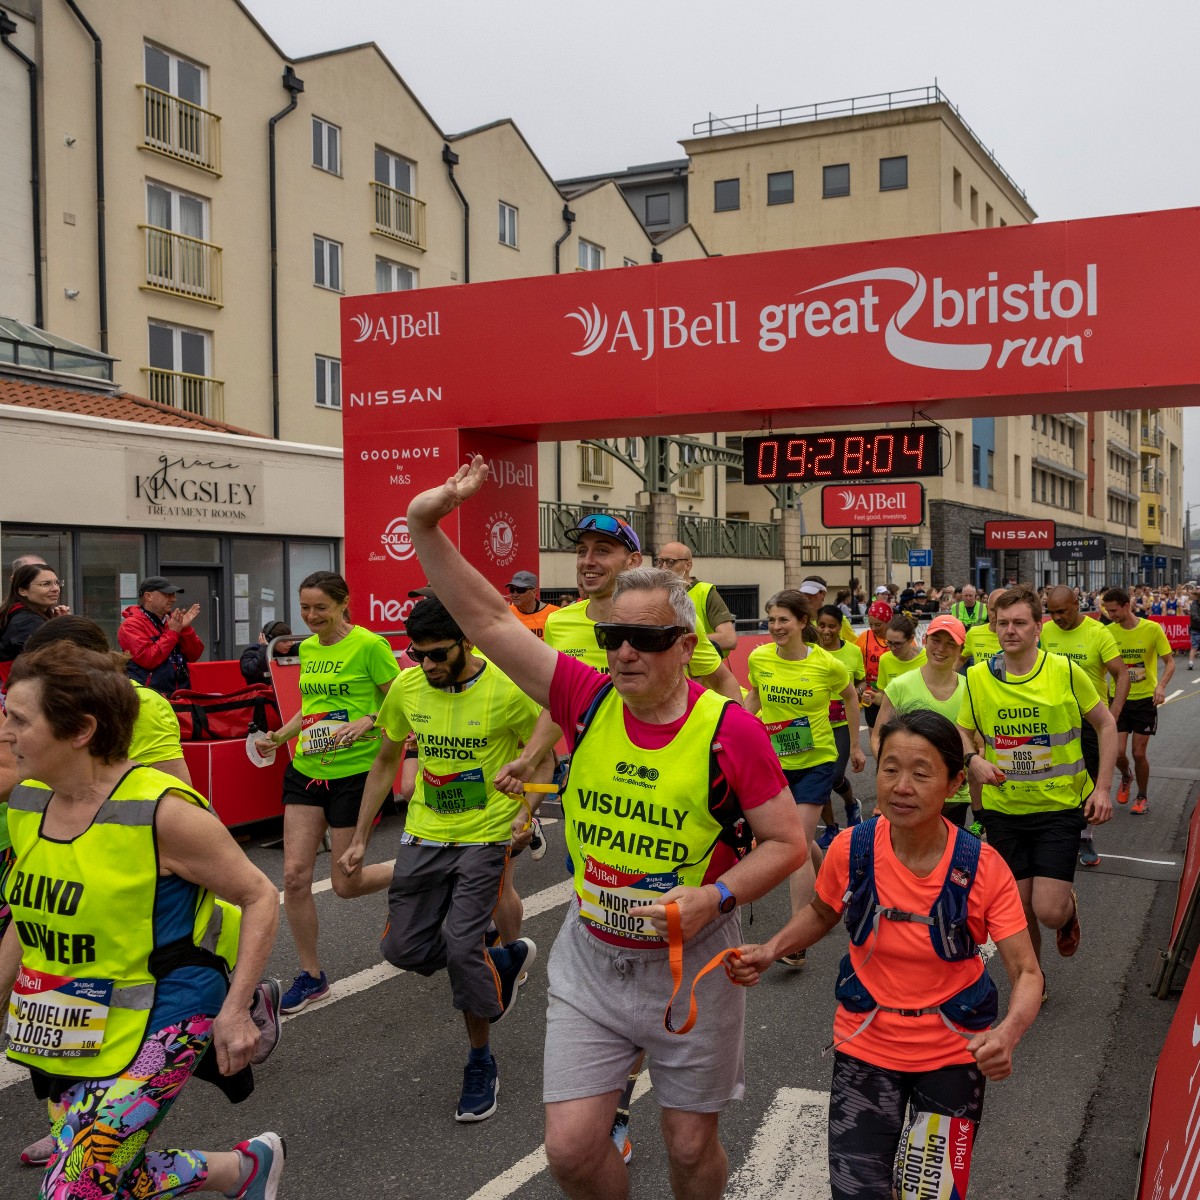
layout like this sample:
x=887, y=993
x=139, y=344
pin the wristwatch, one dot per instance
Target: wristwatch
x=970, y=754
x=728, y=899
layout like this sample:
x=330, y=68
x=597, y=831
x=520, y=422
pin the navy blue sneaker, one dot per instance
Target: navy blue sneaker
x=511, y=962
x=267, y=1152
x=481, y=1086
x=305, y=990
x=853, y=814
x=827, y=836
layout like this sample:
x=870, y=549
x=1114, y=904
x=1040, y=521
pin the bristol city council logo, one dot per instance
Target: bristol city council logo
x=395, y=540
x=500, y=538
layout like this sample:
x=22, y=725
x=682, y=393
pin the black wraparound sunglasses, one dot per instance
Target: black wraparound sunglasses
x=438, y=656
x=645, y=639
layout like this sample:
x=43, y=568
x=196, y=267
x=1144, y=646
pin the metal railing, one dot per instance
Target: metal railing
x=399, y=215
x=851, y=106
x=555, y=518
x=182, y=265
x=717, y=537
x=181, y=129
x=1151, y=437
x=195, y=394
x=1152, y=482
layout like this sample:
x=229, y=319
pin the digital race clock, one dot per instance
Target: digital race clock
x=843, y=455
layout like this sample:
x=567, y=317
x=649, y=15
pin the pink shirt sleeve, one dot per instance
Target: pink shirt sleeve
x=572, y=688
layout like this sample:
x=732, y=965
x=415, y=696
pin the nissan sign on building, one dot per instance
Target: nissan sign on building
x=1018, y=535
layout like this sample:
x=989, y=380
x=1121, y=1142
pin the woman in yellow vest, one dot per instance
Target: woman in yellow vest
x=118, y=954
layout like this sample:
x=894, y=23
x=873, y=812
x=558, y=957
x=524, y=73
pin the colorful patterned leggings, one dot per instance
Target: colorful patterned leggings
x=101, y=1126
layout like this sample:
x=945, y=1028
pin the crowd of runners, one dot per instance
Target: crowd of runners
x=136, y=931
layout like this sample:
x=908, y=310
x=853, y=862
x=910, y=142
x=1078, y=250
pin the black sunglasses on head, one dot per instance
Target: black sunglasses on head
x=437, y=656
x=645, y=639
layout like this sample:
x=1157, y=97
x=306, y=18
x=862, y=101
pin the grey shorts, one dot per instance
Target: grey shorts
x=439, y=904
x=606, y=1005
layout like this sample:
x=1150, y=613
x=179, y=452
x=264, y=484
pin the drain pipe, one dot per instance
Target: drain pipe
x=7, y=28
x=568, y=219
x=451, y=161
x=295, y=86
x=101, y=242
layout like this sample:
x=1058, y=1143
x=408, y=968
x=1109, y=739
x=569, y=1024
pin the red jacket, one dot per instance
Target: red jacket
x=161, y=653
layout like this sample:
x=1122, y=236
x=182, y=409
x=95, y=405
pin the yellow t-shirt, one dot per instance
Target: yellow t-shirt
x=1140, y=647
x=155, y=729
x=982, y=643
x=1089, y=645
x=794, y=696
x=891, y=667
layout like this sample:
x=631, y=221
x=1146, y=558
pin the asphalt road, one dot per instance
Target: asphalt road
x=364, y=1086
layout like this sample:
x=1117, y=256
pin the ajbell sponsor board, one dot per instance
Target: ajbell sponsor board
x=846, y=506
x=962, y=323
x=1018, y=535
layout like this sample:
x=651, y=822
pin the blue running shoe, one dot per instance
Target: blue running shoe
x=511, y=962
x=305, y=990
x=267, y=1152
x=264, y=1012
x=620, y=1137
x=853, y=814
x=827, y=836
x=481, y=1086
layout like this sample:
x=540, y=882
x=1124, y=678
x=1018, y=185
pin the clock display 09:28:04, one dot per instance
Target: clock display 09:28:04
x=843, y=455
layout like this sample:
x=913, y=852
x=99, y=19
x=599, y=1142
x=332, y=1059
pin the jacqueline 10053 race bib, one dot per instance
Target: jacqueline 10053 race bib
x=55, y=1016
x=609, y=894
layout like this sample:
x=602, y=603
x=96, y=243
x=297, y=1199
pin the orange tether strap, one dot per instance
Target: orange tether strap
x=675, y=949
x=548, y=789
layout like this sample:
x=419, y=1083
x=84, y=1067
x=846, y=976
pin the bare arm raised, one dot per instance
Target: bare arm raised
x=471, y=600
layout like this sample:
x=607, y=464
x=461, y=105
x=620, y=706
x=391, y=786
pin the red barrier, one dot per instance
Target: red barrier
x=1191, y=873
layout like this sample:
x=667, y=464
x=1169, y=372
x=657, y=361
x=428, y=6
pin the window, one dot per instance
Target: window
x=595, y=466
x=170, y=73
x=393, y=276
x=958, y=187
x=395, y=172
x=727, y=195
x=733, y=474
x=508, y=225
x=975, y=465
x=176, y=122
x=836, y=180
x=591, y=257
x=780, y=187
x=327, y=146
x=180, y=371
x=893, y=173
x=691, y=484
x=975, y=206
x=658, y=209
x=629, y=262
x=989, y=216
x=327, y=263
x=329, y=382
x=176, y=256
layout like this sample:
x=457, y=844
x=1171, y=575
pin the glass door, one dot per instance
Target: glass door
x=202, y=585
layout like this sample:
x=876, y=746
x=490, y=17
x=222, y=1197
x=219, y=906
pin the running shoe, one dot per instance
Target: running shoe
x=39, y=1153
x=1123, y=789
x=1140, y=806
x=620, y=1137
x=267, y=1152
x=537, y=842
x=827, y=836
x=492, y=937
x=510, y=962
x=305, y=990
x=1068, y=936
x=481, y=1086
x=793, y=960
x=853, y=813
x=1087, y=853
x=264, y=1012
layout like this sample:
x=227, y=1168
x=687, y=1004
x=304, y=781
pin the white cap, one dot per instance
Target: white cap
x=811, y=588
x=882, y=591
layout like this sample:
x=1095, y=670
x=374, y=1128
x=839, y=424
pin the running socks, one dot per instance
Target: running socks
x=245, y=1170
x=481, y=1054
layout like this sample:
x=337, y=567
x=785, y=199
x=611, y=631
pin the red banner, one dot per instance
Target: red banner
x=1178, y=631
x=849, y=506
x=1018, y=535
x=1096, y=313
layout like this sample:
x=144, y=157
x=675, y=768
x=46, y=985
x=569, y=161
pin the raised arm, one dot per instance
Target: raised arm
x=471, y=600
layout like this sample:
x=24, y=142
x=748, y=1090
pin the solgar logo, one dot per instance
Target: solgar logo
x=637, y=771
x=395, y=540
x=397, y=328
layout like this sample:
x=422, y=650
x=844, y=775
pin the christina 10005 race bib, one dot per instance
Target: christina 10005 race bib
x=609, y=894
x=934, y=1158
x=459, y=792
x=55, y=1016
x=318, y=730
x=1024, y=757
x=790, y=737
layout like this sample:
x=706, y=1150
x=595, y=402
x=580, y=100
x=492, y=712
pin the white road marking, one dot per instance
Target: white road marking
x=1155, y=862
x=534, y=1163
x=788, y=1158
x=1177, y=692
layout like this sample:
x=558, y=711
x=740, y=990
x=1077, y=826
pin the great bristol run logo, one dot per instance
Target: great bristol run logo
x=984, y=310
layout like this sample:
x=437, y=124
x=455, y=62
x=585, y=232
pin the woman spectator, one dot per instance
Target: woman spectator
x=253, y=663
x=345, y=671
x=31, y=601
x=914, y=1037
x=145, y=861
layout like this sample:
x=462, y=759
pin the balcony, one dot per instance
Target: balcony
x=716, y=537
x=399, y=216
x=181, y=130
x=196, y=394
x=1153, y=481
x=183, y=266
x=1151, y=439
x=554, y=519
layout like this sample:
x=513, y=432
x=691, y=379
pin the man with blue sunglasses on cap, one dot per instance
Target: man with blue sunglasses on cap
x=677, y=810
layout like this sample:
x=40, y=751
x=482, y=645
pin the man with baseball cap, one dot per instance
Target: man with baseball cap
x=159, y=638
x=525, y=603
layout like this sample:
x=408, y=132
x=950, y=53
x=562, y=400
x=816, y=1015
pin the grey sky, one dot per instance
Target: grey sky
x=1088, y=104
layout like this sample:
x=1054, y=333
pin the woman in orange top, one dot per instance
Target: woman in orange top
x=903, y=1068
x=873, y=644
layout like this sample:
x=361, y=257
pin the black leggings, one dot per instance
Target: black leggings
x=868, y=1108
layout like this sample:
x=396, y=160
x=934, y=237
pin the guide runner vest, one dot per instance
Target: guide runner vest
x=977, y=614
x=85, y=913
x=640, y=822
x=976, y=1006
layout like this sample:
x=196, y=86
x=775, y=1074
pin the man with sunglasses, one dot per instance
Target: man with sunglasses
x=713, y=618
x=468, y=717
x=669, y=781
x=526, y=605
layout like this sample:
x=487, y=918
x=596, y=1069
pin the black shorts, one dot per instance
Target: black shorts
x=1042, y=845
x=340, y=799
x=1139, y=716
x=870, y=714
x=1090, y=741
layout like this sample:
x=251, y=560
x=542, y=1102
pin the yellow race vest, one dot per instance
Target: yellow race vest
x=638, y=822
x=84, y=911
